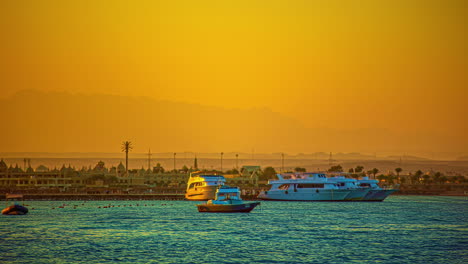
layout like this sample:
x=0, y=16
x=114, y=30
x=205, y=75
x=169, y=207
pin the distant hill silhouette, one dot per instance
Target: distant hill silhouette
x=414, y=158
x=189, y=155
x=34, y=121
x=56, y=122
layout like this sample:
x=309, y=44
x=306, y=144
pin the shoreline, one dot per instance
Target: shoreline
x=162, y=197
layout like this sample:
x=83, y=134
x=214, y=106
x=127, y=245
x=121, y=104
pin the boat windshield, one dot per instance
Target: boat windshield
x=227, y=196
x=196, y=184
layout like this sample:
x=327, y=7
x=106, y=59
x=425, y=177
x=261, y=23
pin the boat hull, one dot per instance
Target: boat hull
x=15, y=210
x=357, y=195
x=227, y=208
x=201, y=193
x=301, y=195
x=377, y=195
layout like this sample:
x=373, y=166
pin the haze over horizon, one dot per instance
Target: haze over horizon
x=210, y=76
x=65, y=122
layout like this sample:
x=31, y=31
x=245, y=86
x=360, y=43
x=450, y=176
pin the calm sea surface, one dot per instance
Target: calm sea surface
x=402, y=229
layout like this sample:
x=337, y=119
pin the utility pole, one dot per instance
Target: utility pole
x=237, y=161
x=149, y=159
x=282, y=162
x=174, y=162
x=222, y=153
x=330, y=160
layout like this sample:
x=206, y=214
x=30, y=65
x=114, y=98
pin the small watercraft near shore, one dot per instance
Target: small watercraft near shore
x=227, y=200
x=15, y=209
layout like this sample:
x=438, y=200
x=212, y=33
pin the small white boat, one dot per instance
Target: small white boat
x=202, y=186
x=303, y=187
x=227, y=200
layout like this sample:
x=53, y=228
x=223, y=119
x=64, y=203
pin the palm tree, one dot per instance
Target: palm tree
x=436, y=177
x=195, y=163
x=222, y=153
x=398, y=170
x=375, y=171
x=417, y=176
x=358, y=169
x=426, y=178
x=126, y=147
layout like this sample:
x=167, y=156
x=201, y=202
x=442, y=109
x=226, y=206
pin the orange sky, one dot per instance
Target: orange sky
x=396, y=65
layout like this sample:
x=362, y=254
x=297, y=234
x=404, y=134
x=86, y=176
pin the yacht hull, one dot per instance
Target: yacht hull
x=378, y=195
x=357, y=194
x=312, y=195
x=227, y=208
x=201, y=193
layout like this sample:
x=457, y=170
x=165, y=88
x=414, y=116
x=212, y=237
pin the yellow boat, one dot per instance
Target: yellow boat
x=202, y=186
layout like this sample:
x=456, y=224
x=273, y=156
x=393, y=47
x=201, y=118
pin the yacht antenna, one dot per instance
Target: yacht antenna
x=149, y=159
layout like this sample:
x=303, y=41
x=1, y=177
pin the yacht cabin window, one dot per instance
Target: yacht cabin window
x=196, y=184
x=310, y=185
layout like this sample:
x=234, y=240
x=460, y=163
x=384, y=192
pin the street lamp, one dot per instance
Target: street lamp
x=174, y=161
x=237, y=161
x=282, y=162
x=222, y=162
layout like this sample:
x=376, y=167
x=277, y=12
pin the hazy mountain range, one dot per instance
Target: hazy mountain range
x=226, y=155
x=36, y=121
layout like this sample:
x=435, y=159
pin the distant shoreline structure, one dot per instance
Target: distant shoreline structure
x=178, y=196
x=423, y=156
x=451, y=167
x=37, y=177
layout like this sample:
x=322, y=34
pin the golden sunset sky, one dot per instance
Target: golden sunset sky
x=398, y=66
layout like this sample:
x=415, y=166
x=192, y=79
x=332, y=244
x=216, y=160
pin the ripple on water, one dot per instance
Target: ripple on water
x=399, y=230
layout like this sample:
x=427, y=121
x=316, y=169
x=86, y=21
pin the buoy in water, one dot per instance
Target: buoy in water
x=15, y=210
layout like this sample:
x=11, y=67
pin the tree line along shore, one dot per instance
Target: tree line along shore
x=119, y=183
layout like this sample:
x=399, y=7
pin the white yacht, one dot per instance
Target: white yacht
x=357, y=192
x=376, y=193
x=303, y=187
x=202, y=187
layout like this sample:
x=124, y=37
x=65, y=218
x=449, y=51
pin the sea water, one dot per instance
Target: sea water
x=402, y=229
